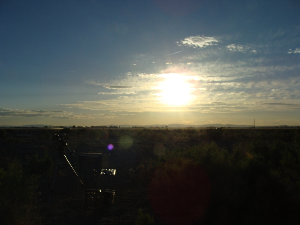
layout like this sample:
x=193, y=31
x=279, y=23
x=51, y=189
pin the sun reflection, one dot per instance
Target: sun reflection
x=175, y=89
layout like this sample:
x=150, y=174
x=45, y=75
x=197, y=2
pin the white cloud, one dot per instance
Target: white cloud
x=297, y=50
x=237, y=48
x=198, y=41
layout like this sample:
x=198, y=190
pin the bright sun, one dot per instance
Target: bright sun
x=174, y=89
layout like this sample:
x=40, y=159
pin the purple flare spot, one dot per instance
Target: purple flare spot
x=110, y=147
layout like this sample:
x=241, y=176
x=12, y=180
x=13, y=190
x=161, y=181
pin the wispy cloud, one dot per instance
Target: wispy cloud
x=280, y=104
x=198, y=41
x=295, y=51
x=237, y=48
x=117, y=87
x=55, y=114
x=32, y=113
x=116, y=93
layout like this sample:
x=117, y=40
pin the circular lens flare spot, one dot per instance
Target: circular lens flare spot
x=126, y=141
x=180, y=192
x=110, y=147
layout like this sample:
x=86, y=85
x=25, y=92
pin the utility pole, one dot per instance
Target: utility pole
x=254, y=123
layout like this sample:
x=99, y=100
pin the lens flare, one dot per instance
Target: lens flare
x=180, y=192
x=126, y=141
x=110, y=147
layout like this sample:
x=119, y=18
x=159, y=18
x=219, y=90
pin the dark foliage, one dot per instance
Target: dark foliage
x=18, y=197
x=40, y=166
x=209, y=176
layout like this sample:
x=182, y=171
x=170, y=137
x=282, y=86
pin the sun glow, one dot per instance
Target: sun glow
x=174, y=89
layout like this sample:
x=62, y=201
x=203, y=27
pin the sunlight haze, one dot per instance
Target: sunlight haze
x=93, y=63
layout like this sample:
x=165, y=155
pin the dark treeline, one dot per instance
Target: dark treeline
x=200, y=176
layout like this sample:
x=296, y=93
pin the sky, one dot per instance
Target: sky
x=144, y=62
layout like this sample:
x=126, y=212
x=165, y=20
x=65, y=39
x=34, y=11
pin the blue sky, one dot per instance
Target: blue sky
x=132, y=62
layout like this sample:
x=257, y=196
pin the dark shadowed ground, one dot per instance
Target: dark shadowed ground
x=250, y=176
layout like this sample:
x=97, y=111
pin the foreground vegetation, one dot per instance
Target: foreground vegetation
x=18, y=188
x=212, y=176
